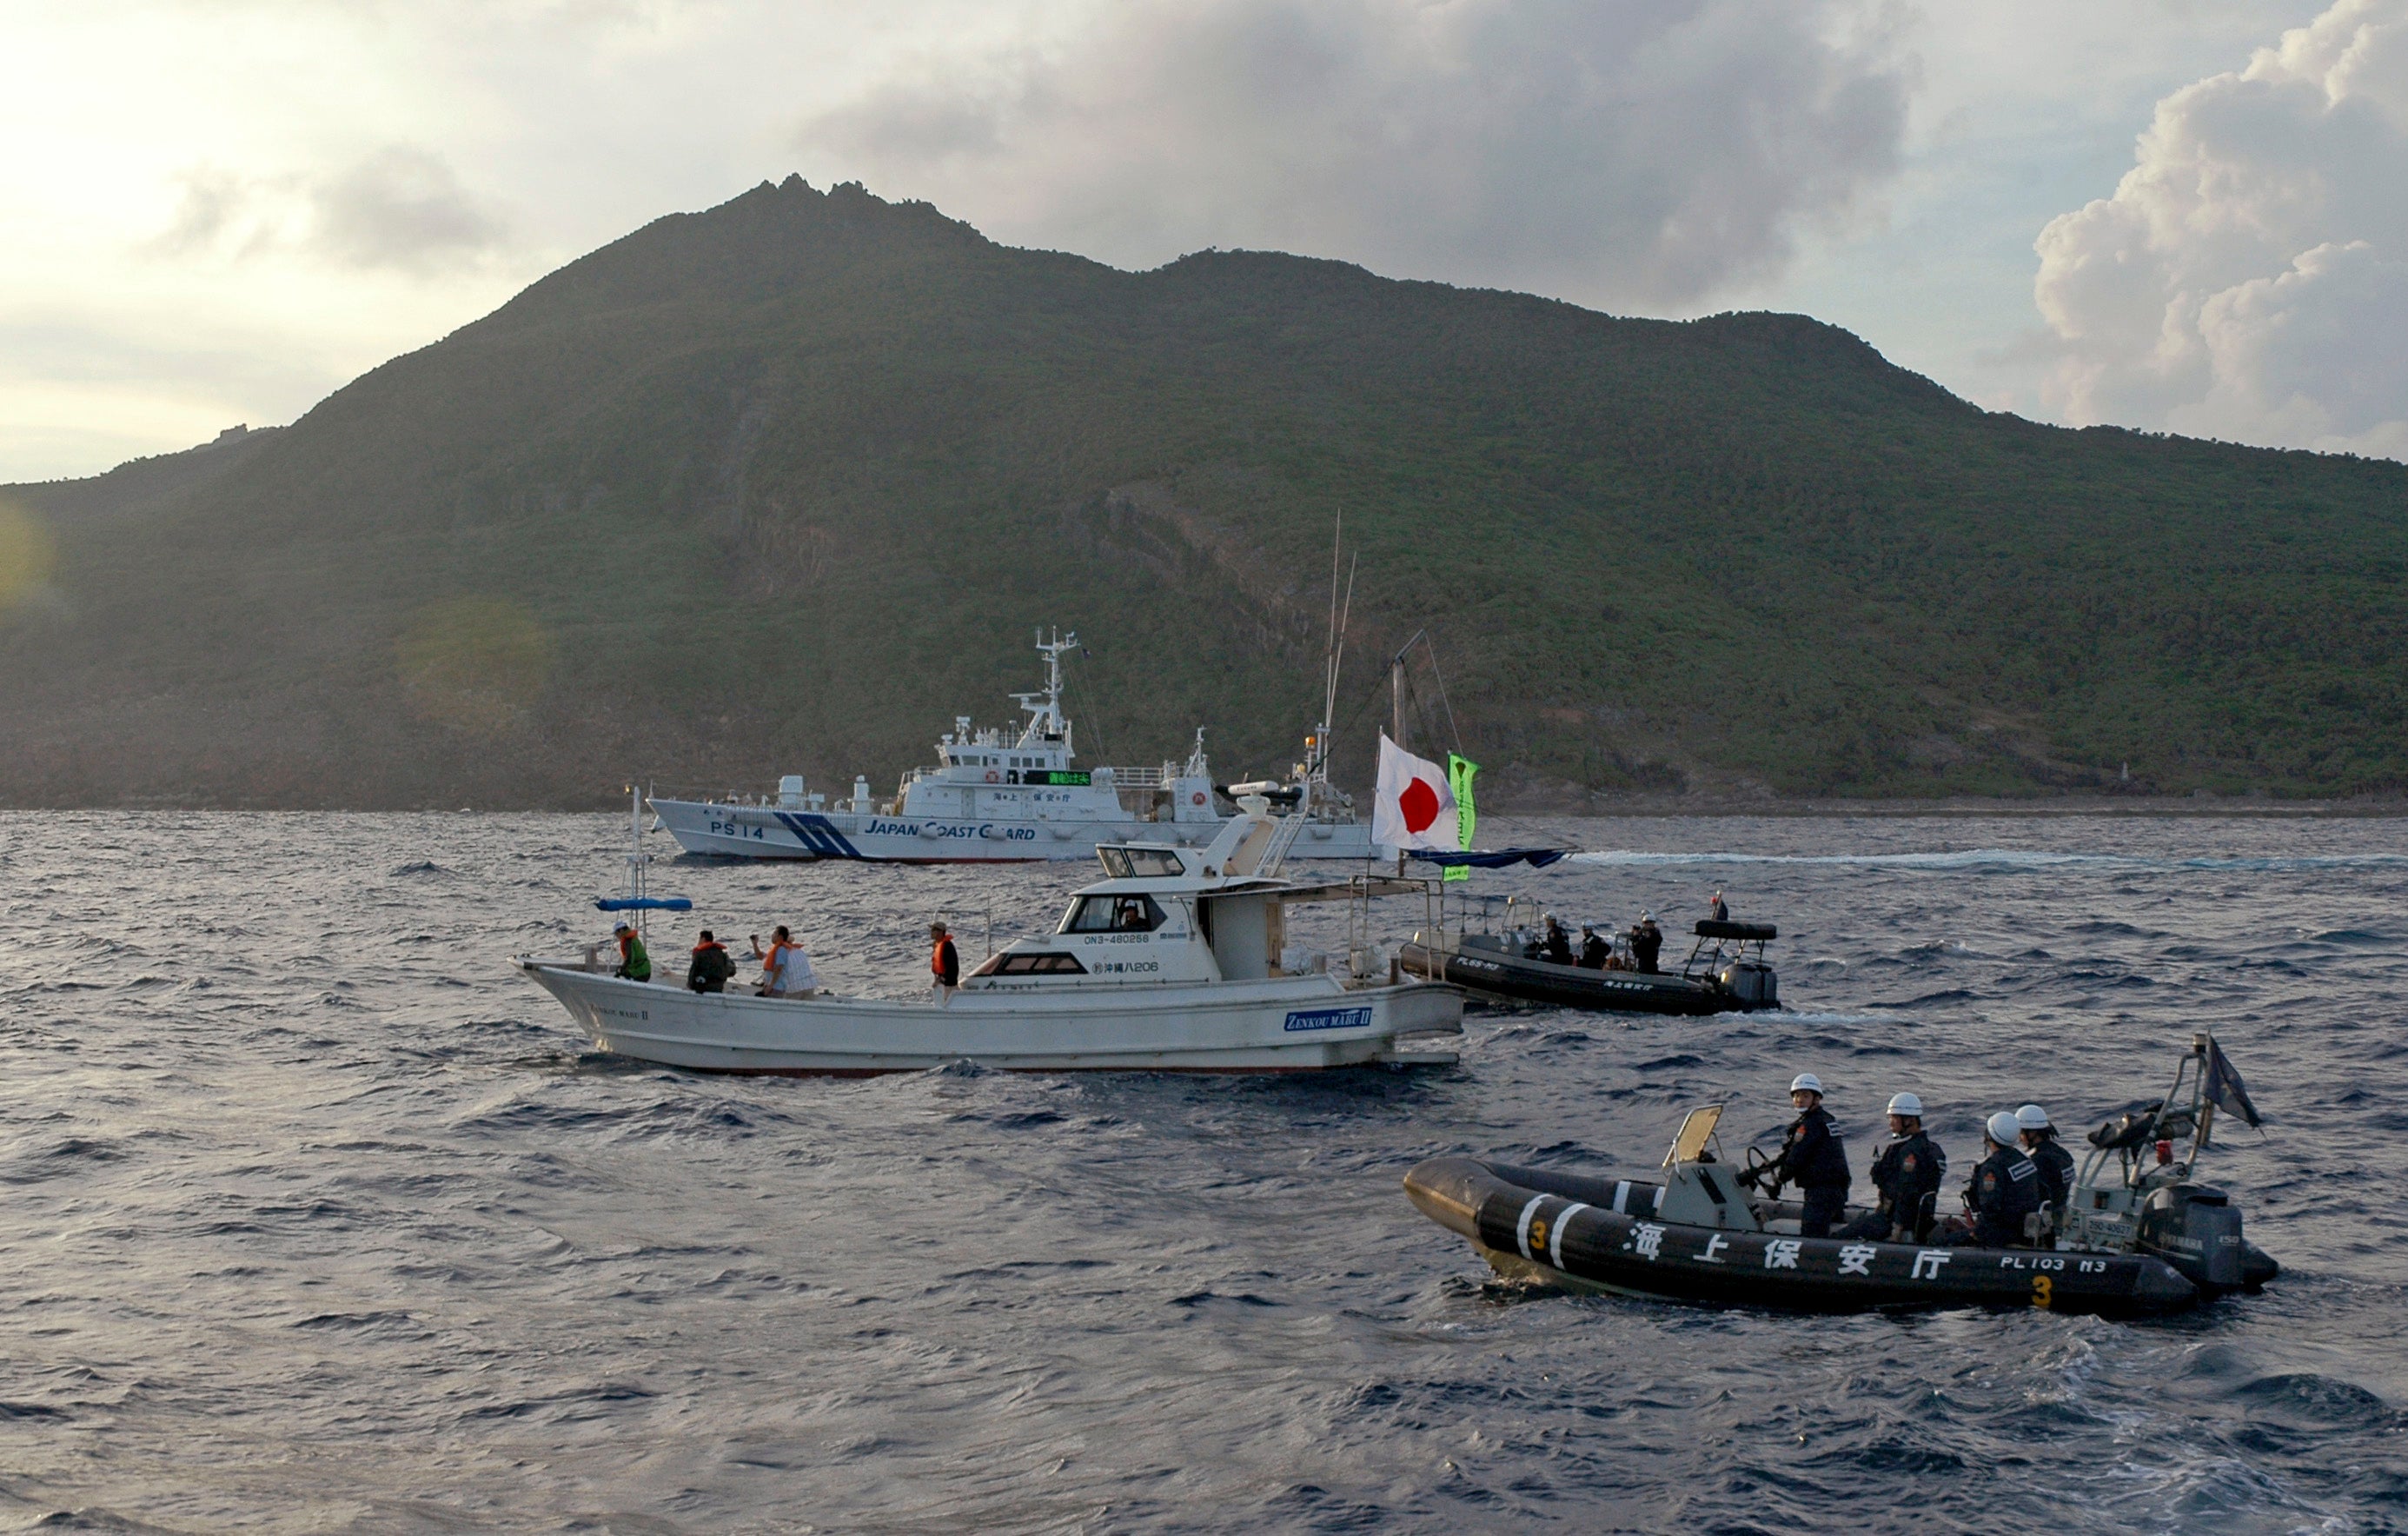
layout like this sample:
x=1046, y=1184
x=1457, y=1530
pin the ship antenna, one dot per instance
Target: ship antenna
x=1336, y=660
x=1337, y=533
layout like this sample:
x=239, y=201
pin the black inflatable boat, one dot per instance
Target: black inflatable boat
x=1587, y=1233
x=1722, y=975
x=2139, y=1238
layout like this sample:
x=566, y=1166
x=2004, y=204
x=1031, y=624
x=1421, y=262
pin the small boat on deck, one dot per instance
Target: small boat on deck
x=1178, y=961
x=2138, y=1234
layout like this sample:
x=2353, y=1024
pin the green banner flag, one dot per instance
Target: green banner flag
x=1459, y=773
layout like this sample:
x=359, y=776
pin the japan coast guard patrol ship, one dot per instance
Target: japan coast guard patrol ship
x=998, y=795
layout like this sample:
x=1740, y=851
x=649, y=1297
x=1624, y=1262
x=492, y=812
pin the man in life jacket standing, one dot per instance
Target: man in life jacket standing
x=1812, y=1158
x=944, y=965
x=634, y=964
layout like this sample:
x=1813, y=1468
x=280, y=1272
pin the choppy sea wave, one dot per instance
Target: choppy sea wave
x=319, y=1217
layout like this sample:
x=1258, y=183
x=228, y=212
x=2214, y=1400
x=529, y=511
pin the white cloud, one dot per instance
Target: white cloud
x=1663, y=157
x=1631, y=152
x=398, y=206
x=2249, y=277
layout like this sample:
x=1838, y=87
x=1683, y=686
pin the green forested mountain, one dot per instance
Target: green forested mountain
x=785, y=484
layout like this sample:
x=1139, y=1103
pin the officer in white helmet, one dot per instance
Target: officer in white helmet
x=1907, y=1173
x=2055, y=1163
x=2004, y=1189
x=1812, y=1158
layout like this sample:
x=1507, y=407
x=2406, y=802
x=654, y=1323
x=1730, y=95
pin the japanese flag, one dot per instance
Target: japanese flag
x=1416, y=807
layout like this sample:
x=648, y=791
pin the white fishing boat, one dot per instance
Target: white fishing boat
x=1179, y=961
x=1009, y=794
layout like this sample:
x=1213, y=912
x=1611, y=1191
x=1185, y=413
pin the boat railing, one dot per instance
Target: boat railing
x=1715, y=937
x=697, y=794
x=1142, y=777
x=1284, y=836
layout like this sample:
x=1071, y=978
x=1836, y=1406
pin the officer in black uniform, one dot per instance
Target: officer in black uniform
x=1556, y=946
x=1646, y=941
x=1908, y=1174
x=2055, y=1163
x=1812, y=1158
x=2004, y=1189
x=1593, y=950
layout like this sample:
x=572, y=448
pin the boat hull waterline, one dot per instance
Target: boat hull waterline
x=1281, y=1024
x=1596, y=1234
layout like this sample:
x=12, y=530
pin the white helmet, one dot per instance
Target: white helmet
x=1806, y=1081
x=2002, y=1128
x=2032, y=1117
x=1906, y=1103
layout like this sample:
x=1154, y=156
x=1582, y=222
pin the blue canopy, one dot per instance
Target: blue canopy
x=1537, y=859
x=642, y=903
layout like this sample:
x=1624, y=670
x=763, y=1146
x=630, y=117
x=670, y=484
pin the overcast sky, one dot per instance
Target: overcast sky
x=2179, y=214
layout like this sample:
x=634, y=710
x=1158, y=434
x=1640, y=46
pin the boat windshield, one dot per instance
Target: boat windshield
x=1111, y=915
x=1126, y=863
x=1689, y=1142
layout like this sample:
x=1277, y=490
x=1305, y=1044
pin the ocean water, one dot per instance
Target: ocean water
x=313, y=1216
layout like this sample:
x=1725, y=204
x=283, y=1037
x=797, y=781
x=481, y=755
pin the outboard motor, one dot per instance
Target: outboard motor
x=1752, y=982
x=2196, y=1230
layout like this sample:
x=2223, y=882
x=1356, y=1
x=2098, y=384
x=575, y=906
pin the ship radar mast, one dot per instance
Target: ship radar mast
x=1314, y=770
x=1047, y=723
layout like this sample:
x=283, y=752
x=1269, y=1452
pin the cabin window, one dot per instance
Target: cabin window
x=1113, y=914
x=1116, y=862
x=1024, y=963
x=1156, y=862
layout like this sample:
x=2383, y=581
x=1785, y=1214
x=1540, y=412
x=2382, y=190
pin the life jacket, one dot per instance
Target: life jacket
x=937, y=966
x=632, y=958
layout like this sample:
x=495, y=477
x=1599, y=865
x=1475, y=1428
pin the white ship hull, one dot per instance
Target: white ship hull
x=760, y=831
x=1280, y=1024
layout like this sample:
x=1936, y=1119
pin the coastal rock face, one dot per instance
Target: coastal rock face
x=784, y=485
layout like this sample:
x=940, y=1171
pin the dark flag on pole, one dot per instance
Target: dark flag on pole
x=2225, y=1088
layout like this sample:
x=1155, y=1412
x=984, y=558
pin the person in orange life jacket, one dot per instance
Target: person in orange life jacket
x=945, y=964
x=634, y=964
x=709, y=968
x=785, y=969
